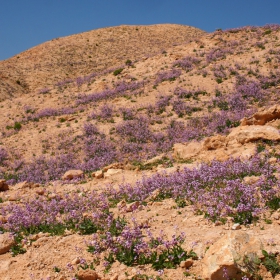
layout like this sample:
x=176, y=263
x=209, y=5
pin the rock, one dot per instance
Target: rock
x=275, y=216
x=250, y=180
x=232, y=253
x=236, y=226
x=116, y=165
x=121, y=204
x=3, y=186
x=6, y=242
x=186, y=151
x=263, y=116
x=111, y=172
x=87, y=274
x=272, y=160
x=3, y=219
x=132, y=206
x=72, y=174
x=75, y=261
x=245, y=134
x=114, y=277
x=24, y=185
x=187, y=263
x=153, y=195
x=98, y=174
x=214, y=142
x=40, y=191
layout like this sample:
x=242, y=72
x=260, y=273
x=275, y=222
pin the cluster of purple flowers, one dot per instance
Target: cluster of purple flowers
x=169, y=75
x=187, y=63
x=121, y=89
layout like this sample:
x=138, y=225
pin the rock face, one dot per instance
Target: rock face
x=6, y=242
x=72, y=174
x=245, y=134
x=230, y=253
x=263, y=116
x=3, y=186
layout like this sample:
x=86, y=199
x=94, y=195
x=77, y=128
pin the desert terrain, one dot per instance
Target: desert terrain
x=142, y=152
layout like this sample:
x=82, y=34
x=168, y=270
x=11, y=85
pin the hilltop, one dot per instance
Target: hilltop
x=87, y=53
x=172, y=136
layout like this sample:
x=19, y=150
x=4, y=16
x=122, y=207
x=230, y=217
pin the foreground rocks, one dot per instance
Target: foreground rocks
x=232, y=253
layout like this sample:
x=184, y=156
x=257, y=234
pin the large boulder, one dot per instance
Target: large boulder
x=245, y=134
x=263, y=116
x=232, y=253
x=6, y=242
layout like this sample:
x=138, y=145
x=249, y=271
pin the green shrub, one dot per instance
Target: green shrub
x=117, y=72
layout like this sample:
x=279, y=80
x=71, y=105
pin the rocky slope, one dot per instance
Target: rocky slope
x=155, y=158
x=87, y=53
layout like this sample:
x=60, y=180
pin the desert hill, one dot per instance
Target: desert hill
x=155, y=158
x=87, y=53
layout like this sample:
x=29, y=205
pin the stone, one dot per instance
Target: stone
x=114, y=277
x=263, y=116
x=75, y=261
x=132, y=206
x=186, y=264
x=186, y=151
x=275, y=216
x=23, y=185
x=232, y=253
x=40, y=191
x=6, y=242
x=245, y=134
x=3, y=219
x=250, y=180
x=3, y=186
x=87, y=274
x=121, y=204
x=72, y=174
x=214, y=142
x=98, y=174
x=236, y=226
x=116, y=165
x=111, y=172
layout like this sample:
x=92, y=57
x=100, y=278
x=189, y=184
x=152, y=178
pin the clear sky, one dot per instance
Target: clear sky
x=27, y=23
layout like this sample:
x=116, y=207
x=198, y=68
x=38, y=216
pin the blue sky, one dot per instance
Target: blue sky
x=27, y=23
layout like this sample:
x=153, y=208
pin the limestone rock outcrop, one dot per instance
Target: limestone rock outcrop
x=263, y=116
x=231, y=255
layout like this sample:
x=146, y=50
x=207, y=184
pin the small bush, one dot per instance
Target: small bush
x=117, y=72
x=17, y=126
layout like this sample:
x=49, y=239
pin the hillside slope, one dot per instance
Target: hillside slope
x=87, y=53
x=160, y=166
